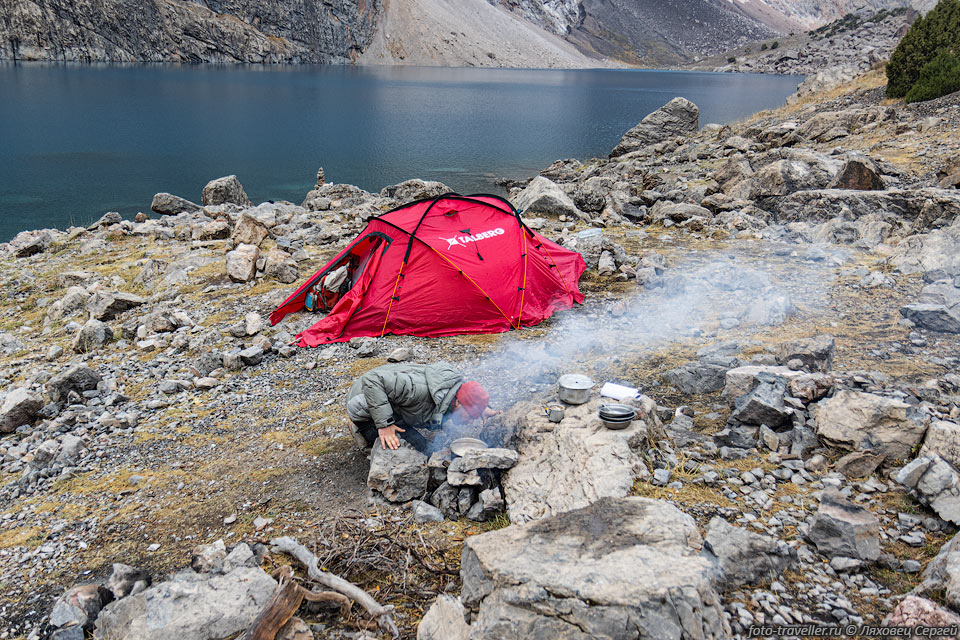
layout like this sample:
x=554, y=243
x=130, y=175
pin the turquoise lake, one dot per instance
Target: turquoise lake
x=78, y=141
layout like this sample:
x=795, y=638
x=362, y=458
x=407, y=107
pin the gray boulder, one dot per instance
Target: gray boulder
x=816, y=353
x=943, y=439
x=859, y=173
x=864, y=421
x=740, y=381
x=679, y=117
x=942, y=575
x=701, y=377
x=242, y=262
x=842, y=528
x=858, y=464
x=744, y=557
x=79, y=606
x=415, y=189
x=489, y=503
x=126, y=580
x=935, y=317
x=281, y=266
x=151, y=273
x=492, y=458
x=107, y=306
x=764, y=404
x=167, y=204
x=226, y=190
x=444, y=620
x=20, y=407
x=67, y=279
x=190, y=606
x=543, y=196
x=249, y=230
x=78, y=378
x=426, y=512
x=935, y=483
x=565, y=577
x=92, y=335
x=400, y=474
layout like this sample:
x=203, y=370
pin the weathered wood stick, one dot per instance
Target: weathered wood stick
x=284, y=603
x=384, y=616
x=329, y=598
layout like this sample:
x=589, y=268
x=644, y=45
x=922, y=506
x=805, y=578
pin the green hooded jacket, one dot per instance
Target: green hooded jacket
x=412, y=394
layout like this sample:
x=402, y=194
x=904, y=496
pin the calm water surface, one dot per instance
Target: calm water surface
x=78, y=141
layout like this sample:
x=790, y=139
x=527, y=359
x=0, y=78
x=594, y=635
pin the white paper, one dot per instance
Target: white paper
x=618, y=391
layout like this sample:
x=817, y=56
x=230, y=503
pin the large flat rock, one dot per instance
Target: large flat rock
x=617, y=569
x=572, y=463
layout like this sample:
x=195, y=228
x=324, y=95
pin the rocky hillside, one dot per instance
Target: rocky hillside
x=253, y=31
x=508, y=33
x=783, y=291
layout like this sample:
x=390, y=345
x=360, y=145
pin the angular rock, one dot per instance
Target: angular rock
x=242, y=262
x=489, y=503
x=444, y=620
x=126, y=580
x=78, y=378
x=215, y=230
x=251, y=356
x=864, y=421
x=571, y=464
x=935, y=483
x=935, y=317
x=943, y=439
x=679, y=117
x=167, y=204
x=816, y=353
x=400, y=474
x=208, y=558
x=859, y=173
x=249, y=230
x=226, y=190
x=281, y=266
x=745, y=557
x=942, y=575
x=426, y=512
x=91, y=336
x=914, y=611
x=107, y=306
x=20, y=407
x=415, y=189
x=70, y=449
x=79, y=605
x=740, y=381
x=810, y=387
x=763, y=405
x=563, y=577
x=858, y=464
x=67, y=279
x=841, y=528
x=545, y=197
x=190, y=606
x=445, y=499
x=700, y=377
x=492, y=458
x=151, y=273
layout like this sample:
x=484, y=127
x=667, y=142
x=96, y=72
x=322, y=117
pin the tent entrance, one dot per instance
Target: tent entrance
x=347, y=271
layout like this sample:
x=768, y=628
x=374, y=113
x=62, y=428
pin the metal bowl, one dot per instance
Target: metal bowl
x=617, y=411
x=616, y=424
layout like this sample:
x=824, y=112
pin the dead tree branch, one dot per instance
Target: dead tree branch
x=383, y=614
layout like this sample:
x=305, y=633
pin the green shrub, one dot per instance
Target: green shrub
x=764, y=47
x=937, y=78
x=775, y=45
x=938, y=31
x=731, y=59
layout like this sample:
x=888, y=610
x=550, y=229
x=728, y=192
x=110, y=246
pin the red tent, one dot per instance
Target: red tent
x=443, y=266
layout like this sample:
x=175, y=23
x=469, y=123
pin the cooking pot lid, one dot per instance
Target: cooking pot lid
x=461, y=445
x=575, y=381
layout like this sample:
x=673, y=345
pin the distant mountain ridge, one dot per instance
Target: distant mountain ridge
x=533, y=33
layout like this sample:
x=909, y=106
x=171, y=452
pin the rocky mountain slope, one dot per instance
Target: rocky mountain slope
x=510, y=33
x=783, y=290
x=187, y=30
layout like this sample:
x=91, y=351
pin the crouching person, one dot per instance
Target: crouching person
x=396, y=400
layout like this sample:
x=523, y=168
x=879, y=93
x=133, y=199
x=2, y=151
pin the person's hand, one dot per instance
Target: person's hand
x=388, y=437
x=489, y=413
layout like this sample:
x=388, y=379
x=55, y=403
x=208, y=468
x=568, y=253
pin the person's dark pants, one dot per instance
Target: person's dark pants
x=369, y=431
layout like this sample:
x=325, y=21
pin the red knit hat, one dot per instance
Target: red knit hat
x=473, y=398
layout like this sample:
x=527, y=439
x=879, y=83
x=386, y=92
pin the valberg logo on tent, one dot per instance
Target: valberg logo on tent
x=457, y=241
